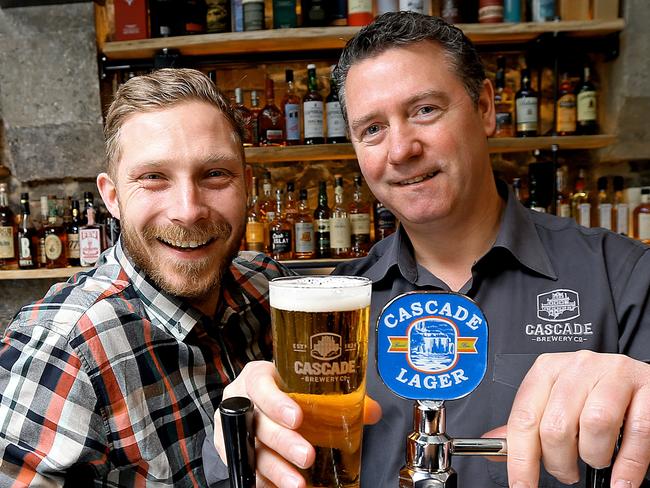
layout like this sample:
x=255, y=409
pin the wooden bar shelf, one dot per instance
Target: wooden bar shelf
x=40, y=274
x=325, y=38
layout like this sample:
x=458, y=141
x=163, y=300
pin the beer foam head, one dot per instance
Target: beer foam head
x=320, y=293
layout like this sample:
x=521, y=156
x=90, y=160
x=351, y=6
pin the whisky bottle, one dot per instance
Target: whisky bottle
x=8, y=231
x=291, y=203
x=337, y=12
x=246, y=115
x=580, y=205
x=255, y=110
x=284, y=14
x=90, y=241
x=55, y=238
x=340, y=229
x=359, y=12
x=384, y=221
x=313, y=13
x=565, y=108
x=270, y=120
x=335, y=120
x=562, y=202
x=604, y=204
x=253, y=15
x=526, y=107
x=193, y=15
x=503, y=102
x=312, y=107
x=383, y=6
x=72, y=231
x=163, y=18
x=291, y=111
x=280, y=232
x=267, y=207
x=28, y=239
x=254, y=226
x=322, y=223
x=303, y=225
x=621, y=208
x=89, y=200
x=587, y=105
x=218, y=16
x=112, y=231
x=540, y=184
x=641, y=217
x=359, y=211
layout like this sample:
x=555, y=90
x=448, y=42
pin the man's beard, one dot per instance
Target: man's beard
x=197, y=276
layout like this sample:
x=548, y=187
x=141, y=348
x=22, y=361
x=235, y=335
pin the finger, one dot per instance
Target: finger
x=371, y=411
x=601, y=420
x=262, y=482
x=273, y=470
x=498, y=433
x=524, y=448
x=284, y=441
x=633, y=458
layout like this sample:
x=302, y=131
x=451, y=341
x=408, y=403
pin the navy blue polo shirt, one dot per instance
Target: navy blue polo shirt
x=546, y=285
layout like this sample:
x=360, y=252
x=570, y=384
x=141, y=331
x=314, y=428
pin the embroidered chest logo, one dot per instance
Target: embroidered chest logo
x=558, y=305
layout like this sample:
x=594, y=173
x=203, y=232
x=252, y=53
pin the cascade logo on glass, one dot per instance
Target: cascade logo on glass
x=325, y=348
x=432, y=345
x=557, y=311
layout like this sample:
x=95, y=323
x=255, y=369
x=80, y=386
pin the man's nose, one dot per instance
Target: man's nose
x=404, y=143
x=187, y=205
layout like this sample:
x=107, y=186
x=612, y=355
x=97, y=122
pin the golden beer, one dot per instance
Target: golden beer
x=320, y=349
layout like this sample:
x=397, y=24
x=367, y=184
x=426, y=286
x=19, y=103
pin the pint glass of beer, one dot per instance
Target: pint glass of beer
x=320, y=348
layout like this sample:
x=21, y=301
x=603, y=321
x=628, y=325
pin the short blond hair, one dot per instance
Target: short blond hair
x=162, y=89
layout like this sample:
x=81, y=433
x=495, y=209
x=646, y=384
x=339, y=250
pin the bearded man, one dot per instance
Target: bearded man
x=113, y=378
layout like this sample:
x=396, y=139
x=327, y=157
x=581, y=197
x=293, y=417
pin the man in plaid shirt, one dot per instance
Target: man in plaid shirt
x=113, y=378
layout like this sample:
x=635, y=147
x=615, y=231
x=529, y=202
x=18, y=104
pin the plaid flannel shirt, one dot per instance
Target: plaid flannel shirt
x=109, y=381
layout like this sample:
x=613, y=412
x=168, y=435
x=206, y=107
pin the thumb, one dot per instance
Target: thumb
x=371, y=411
x=500, y=432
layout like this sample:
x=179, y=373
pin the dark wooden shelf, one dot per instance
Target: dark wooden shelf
x=40, y=274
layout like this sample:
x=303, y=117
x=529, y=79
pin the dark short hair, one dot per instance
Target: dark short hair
x=164, y=88
x=396, y=29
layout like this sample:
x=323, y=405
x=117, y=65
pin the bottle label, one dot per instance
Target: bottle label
x=340, y=237
x=89, y=246
x=385, y=219
x=412, y=5
x=255, y=236
x=280, y=241
x=490, y=13
x=292, y=118
x=527, y=113
x=25, y=257
x=335, y=122
x=360, y=223
x=304, y=237
x=543, y=10
x=73, y=246
x=253, y=16
x=7, y=250
x=322, y=225
x=622, y=218
x=644, y=227
x=42, y=258
x=605, y=216
x=504, y=120
x=587, y=106
x=584, y=214
x=53, y=247
x=564, y=210
x=359, y=6
x=313, y=119
x=274, y=135
x=566, y=113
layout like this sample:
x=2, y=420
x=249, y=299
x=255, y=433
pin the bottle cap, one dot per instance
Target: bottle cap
x=288, y=75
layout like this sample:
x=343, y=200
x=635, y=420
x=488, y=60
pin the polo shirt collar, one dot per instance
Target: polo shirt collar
x=397, y=253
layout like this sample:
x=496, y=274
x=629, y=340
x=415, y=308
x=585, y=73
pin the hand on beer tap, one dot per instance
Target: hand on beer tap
x=573, y=405
x=280, y=450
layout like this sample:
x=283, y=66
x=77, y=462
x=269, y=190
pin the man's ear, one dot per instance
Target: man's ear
x=108, y=191
x=486, y=108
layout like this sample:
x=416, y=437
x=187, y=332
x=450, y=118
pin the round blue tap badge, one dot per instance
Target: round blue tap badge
x=432, y=345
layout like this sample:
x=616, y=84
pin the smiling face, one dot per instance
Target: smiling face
x=420, y=140
x=180, y=195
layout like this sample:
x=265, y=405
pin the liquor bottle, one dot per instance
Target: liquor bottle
x=604, y=204
x=335, y=120
x=284, y=14
x=516, y=189
x=255, y=110
x=540, y=184
x=303, y=225
x=490, y=11
x=641, y=217
x=237, y=15
x=417, y=6
x=312, y=107
x=218, y=16
x=587, y=105
x=291, y=204
x=621, y=208
x=565, y=109
x=253, y=15
x=383, y=6
x=267, y=206
x=340, y=229
x=42, y=259
x=163, y=18
x=580, y=205
x=270, y=121
x=359, y=12
x=451, y=11
x=322, y=223
x=72, y=231
x=89, y=202
x=28, y=239
x=193, y=13
x=112, y=231
x=526, y=107
x=542, y=10
x=337, y=12
x=90, y=241
x=512, y=11
x=247, y=117
x=56, y=239
x=503, y=102
x=384, y=221
x=254, y=226
x=291, y=110
x=313, y=13
x=562, y=202
x=280, y=232
x=534, y=202
x=8, y=231
x=359, y=211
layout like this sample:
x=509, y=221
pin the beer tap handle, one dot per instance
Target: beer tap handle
x=479, y=447
x=239, y=439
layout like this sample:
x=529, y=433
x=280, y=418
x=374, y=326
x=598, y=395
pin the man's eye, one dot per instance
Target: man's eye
x=372, y=130
x=150, y=177
x=427, y=109
x=215, y=173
